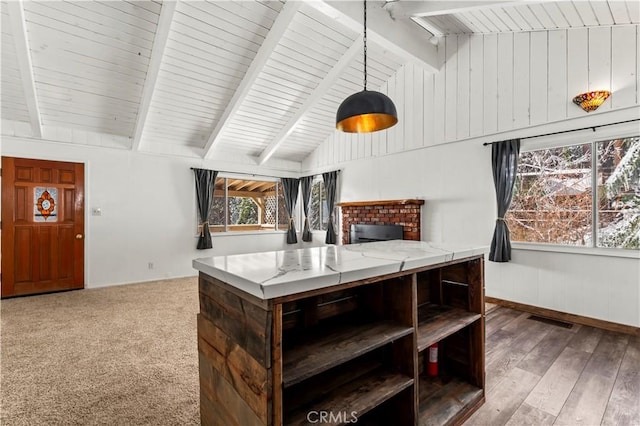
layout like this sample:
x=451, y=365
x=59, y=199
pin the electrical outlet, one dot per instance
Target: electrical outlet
x=150, y=265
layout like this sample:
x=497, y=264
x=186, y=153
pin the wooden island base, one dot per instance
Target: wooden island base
x=352, y=351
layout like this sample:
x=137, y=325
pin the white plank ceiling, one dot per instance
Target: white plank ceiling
x=14, y=106
x=255, y=78
x=513, y=16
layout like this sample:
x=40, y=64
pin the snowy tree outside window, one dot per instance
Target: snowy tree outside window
x=581, y=195
x=318, y=209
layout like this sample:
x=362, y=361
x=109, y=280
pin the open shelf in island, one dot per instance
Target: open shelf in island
x=435, y=322
x=445, y=401
x=354, y=398
x=316, y=353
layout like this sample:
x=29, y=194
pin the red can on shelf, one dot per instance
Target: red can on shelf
x=432, y=362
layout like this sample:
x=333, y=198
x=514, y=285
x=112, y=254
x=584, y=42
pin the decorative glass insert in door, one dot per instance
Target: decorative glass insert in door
x=45, y=204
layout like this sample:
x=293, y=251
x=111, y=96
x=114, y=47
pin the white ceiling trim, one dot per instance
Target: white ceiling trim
x=325, y=85
x=407, y=9
x=19, y=30
x=270, y=42
x=405, y=41
x=159, y=43
x=437, y=32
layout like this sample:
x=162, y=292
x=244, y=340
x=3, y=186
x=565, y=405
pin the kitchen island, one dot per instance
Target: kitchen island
x=331, y=335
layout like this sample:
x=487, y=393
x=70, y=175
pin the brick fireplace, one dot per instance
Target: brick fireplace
x=387, y=212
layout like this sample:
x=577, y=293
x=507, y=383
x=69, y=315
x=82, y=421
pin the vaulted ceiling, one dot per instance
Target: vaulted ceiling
x=261, y=79
x=466, y=17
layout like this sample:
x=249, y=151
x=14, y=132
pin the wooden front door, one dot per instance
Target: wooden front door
x=42, y=226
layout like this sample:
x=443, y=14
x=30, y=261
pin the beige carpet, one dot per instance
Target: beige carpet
x=123, y=355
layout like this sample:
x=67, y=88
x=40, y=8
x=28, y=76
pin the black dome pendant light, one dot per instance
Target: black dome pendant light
x=366, y=111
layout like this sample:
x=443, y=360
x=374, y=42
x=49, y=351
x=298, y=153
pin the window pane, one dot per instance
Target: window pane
x=283, y=217
x=250, y=205
x=318, y=206
x=619, y=193
x=242, y=211
x=552, y=197
x=270, y=212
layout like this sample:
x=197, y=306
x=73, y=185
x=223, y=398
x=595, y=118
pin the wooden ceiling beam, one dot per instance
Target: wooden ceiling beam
x=288, y=11
x=250, y=194
x=245, y=184
x=261, y=187
x=231, y=183
x=23, y=52
x=318, y=93
x=159, y=43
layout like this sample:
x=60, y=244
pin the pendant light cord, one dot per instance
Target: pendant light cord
x=365, y=44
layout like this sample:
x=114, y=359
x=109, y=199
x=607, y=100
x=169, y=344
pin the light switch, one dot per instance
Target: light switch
x=96, y=211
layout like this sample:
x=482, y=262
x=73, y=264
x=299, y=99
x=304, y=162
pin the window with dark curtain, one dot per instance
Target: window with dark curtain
x=290, y=186
x=205, y=182
x=330, y=183
x=306, y=183
x=504, y=163
x=586, y=194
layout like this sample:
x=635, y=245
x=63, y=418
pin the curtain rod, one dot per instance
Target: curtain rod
x=250, y=174
x=236, y=173
x=567, y=131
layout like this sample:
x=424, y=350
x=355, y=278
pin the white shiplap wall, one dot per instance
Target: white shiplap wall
x=496, y=83
x=492, y=87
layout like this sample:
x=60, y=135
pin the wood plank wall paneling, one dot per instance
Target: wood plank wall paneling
x=463, y=87
x=506, y=60
x=450, y=87
x=498, y=82
x=521, y=80
x=438, y=98
x=490, y=97
x=577, y=65
x=555, y=45
x=622, y=67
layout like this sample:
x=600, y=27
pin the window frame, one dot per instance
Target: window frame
x=604, y=134
x=226, y=231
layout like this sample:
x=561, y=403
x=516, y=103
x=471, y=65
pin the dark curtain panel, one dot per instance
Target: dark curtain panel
x=330, y=183
x=205, y=181
x=504, y=161
x=290, y=186
x=306, y=183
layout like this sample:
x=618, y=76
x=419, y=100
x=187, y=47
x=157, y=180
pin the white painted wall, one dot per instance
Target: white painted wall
x=148, y=211
x=491, y=88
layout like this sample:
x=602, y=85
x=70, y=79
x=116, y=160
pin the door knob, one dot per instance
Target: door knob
x=78, y=236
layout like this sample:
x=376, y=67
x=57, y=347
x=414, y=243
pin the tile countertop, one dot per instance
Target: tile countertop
x=281, y=273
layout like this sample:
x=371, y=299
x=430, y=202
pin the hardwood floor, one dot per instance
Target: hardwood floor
x=543, y=374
